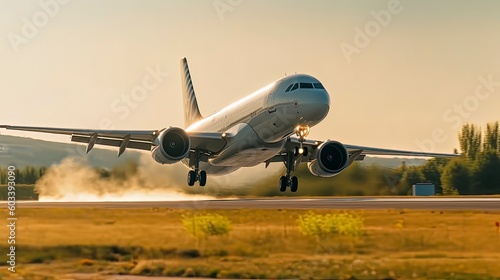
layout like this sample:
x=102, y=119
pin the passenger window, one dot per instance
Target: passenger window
x=288, y=88
x=318, y=85
x=295, y=86
x=306, y=85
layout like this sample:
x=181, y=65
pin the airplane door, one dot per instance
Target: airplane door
x=270, y=103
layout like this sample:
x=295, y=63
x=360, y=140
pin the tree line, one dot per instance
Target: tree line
x=477, y=171
x=25, y=175
x=30, y=174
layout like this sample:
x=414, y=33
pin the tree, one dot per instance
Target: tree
x=357, y=173
x=392, y=181
x=487, y=173
x=491, y=141
x=30, y=174
x=456, y=177
x=432, y=171
x=412, y=176
x=3, y=176
x=41, y=172
x=470, y=140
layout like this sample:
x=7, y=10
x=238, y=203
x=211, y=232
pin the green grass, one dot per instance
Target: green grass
x=261, y=244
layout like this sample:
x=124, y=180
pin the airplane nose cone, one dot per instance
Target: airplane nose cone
x=322, y=97
x=315, y=106
x=309, y=106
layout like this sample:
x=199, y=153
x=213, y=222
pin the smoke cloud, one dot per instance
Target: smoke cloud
x=74, y=180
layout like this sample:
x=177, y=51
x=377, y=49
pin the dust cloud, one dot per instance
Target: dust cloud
x=73, y=180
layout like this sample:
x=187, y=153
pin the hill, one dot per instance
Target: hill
x=22, y=151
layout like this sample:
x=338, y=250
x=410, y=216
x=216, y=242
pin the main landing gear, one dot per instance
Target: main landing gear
x=291, y=159
x=196, y=175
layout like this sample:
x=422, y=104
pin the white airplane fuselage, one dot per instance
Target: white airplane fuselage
x=260, y=123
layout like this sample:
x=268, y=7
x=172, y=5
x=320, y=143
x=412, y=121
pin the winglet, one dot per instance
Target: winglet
x=191, y=111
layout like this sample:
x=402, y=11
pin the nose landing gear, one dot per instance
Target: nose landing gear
x=292, y=159
x=288, y=180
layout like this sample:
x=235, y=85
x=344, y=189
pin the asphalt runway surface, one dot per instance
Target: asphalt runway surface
x=433, y=203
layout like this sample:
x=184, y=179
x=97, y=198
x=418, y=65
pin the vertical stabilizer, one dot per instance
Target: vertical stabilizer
x=191, y=111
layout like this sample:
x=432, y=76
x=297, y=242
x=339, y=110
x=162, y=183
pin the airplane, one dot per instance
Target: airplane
x=269, y=125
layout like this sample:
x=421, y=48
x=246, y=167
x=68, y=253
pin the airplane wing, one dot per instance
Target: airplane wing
x=140, y=135
x=356, y=152
x=390, y=152
x=132, y=139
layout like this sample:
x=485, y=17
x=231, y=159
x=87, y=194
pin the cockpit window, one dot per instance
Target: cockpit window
x=319, y=85
x=295, y=86
x=288, y=88
x=306, y=85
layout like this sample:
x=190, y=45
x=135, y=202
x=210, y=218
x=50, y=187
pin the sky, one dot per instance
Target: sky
x=401, y=74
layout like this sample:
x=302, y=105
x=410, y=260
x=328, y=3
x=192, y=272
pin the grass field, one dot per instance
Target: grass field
x=402, y=244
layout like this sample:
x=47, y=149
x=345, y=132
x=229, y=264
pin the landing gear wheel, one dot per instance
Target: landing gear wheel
x=283, y=184
x=197, y=175
x=294, y=184
x=191, y=178
x=203, y=178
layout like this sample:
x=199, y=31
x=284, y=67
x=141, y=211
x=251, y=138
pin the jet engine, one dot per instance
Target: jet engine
x=173, y=145
x=331, y=158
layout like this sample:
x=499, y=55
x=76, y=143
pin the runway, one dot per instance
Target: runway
x=432, y=203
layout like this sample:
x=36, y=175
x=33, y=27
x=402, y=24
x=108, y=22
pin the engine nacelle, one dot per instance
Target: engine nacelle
x=331, y=158
x=173, y=145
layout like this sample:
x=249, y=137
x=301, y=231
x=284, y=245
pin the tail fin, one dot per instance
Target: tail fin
x=191, y=110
